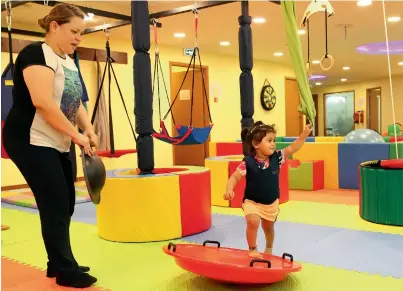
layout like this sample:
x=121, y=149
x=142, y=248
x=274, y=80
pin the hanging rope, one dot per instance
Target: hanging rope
x=10, y=65
x=390, y=76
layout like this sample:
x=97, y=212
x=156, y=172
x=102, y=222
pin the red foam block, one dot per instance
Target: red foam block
x=393, y=139
x=228, y=148
x=318, y=168
x=195, y=203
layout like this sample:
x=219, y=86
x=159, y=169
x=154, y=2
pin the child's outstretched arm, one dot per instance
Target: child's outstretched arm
x=299, y=142
x=232, y=181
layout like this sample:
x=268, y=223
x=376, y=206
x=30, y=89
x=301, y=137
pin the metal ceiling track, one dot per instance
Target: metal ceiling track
x=123, y=20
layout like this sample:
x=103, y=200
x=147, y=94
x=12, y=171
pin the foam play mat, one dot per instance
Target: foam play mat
x=24, y=197
x=321, y=229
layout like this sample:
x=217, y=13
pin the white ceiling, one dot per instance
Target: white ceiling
x=366, y=25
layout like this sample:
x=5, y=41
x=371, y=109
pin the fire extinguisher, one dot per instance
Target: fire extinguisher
x=359, y=116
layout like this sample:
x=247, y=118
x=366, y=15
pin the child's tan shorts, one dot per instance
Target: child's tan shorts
x=266, y=211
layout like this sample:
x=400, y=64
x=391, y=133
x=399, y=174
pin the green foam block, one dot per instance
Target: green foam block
x=301, y=178
x=392, y=150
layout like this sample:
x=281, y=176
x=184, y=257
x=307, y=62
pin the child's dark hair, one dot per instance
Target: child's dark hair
x=255, y=134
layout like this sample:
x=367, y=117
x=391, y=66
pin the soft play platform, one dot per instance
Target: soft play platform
x=24, y=197
x=231, y=265
x=172, y=203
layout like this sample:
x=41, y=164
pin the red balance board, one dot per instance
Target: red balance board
x=231, y=265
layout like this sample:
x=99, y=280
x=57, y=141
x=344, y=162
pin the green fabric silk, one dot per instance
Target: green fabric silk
x=307, y=105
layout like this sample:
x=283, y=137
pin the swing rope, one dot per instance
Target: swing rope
x=10, y=65
x=193, y=62
x=157, y=70
x=390, y=77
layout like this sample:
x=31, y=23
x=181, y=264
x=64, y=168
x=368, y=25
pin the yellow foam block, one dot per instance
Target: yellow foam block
x=219, y=179
x=326, y=151
x=140, y=209
x=329, y=138
x=212, y=149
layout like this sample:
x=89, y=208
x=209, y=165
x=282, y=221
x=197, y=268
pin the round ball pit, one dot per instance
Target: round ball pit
x=174, y=202
x=381, y=193
x=221, y=169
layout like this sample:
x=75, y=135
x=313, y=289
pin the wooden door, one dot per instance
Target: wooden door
x=373, y=108
x=315, y=101
x=293, y=118
x=189, y=154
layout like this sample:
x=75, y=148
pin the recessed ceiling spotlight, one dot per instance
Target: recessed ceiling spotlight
x=301, y=31
x=278, y=54
x=364, y=2
x=225, y=43
x=179, y=34
x=259, y=20
x=315, y=62
x=400, y=63
x=346, y=68
x=318, y=83
x=343, y=79
x=89, y=17
x=394, y=19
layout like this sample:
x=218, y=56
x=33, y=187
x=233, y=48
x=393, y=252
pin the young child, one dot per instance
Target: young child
x=262, y=168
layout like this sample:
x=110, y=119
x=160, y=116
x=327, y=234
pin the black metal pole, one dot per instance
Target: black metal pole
x=246, y=65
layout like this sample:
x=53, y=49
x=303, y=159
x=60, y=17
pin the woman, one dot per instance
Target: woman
x=39, y=129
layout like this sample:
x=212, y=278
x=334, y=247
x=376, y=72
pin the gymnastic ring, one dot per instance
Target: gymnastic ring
x=260, y=261
x=211, y=242
x=331, y=62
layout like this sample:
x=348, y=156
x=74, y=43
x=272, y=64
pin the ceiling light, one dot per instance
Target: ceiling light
x=400, y=63
x=259, y=20
x=315, y=62
x=179, y=34
x=394, y=19
x=301, y=31
x=225, y=43
x=343, y=79
x=278, y=54
x=346, y=68
x=364, y=2
x=89, y=17
x=318, y=83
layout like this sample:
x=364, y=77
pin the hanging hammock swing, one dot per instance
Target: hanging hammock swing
x=187, y=135
x=113, y=153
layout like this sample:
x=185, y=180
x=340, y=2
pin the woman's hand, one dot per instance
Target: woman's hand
x=93, y=137
x=83, y=141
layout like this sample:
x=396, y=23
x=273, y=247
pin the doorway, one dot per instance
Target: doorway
x=316, y=125
x=293, y=118
x=182, y=112
x=374, y=96
x=339, y=113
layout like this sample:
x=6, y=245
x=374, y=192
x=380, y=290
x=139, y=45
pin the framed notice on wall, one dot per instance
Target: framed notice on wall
x=184, y=95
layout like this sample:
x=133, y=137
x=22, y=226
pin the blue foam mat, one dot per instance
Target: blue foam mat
x=352, y=154
x=368, y=252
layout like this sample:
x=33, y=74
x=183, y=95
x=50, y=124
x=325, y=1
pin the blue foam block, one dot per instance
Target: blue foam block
x=352, y=154
x=291, y=139
x=369, y=252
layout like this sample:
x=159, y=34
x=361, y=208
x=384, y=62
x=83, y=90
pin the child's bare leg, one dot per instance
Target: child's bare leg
x=268, y=228
x=252, y=226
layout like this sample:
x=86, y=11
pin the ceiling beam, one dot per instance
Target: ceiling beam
x=23, y=32
x=97, y=12
x=188, y=8
x=14, y=4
